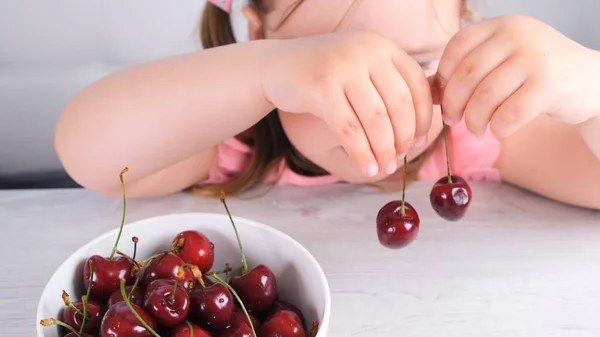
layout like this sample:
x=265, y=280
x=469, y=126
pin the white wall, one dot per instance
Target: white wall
x=50, y=49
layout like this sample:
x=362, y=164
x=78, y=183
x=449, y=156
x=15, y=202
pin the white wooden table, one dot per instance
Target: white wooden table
x=516, y=266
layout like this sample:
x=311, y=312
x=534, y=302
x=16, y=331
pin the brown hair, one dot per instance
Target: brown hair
x=267, y=137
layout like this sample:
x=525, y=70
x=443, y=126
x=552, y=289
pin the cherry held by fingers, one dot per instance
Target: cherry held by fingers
x=450, y=197
x=397, y=226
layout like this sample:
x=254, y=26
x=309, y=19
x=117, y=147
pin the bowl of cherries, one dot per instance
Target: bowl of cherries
x=192, y=274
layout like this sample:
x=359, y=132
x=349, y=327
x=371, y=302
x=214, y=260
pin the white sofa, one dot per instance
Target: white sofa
x=51, y=49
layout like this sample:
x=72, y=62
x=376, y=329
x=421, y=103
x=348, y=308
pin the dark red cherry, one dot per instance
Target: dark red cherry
x=394, y=229
x=195, y=248
x=212, y=307
x=183, y=330
x=280, y=305
x=72, y=334
x=242, y=329
x=156, y=284
x=119, y=321
x=168, y=309
x=283, y=323
x=107, y=275
x=95, y=312
x=136, y=297
x=450, y=200
x=166, y=266
x=239, y=317
x=257, y=288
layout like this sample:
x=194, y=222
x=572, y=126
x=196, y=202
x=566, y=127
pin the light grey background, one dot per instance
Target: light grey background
x=51, y=49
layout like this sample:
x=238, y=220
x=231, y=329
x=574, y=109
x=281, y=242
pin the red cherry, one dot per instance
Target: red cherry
x=212, y=307
x=95, y=312
x=184, y=330
x=107, y=275
x=280, y=305
x=256, y=288
x=156, y=284
x=167, y=308
x=239, y=317
x=72, y=334
x=166, y=266
x=136, y=296
x=283, y=323
x=450, y=198
x=195, y=248
x=242, y=329
x=119, y=321
x=394, y=229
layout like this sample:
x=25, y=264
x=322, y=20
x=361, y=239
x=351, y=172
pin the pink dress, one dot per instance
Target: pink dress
x=472, y=157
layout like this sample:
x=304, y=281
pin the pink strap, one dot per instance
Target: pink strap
x=225, y=5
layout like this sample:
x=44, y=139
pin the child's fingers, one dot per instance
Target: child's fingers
x=520, y=108
x=457, y=50
x=344, y=122
x=468, y=74
x=400, y=107
x=491, y=93
x=420, y=91
x=373, y=115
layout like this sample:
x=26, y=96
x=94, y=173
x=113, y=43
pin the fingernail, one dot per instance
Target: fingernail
x=391, y=168
x=447, y=120
x=420, y=142
x=372, y=170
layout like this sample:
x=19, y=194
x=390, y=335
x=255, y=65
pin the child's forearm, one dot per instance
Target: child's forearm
x=590, y=129
x=157, y=114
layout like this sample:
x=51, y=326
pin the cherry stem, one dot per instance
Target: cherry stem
x=53, y=321
x=403, y=207
x=135, y=284
x=84, y=301
x=244, y=263
x=129, y=258
x=216, y=277
x=227, y=271
x=67, y=300
x=223, y=271
x=190, y=327
x=134, y=312
x=314, y=329
x=197, y=274
x=114, y=251
x=89, y=289
x=445, y=127
x=141, y=263
x=180, y=274
x=135, y=242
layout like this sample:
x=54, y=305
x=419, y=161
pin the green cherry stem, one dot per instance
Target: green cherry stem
x=114, y=251
x=190, y=327
x=84, y=301
x=227, y=271
x=135, y=313
x=220, y=280
x=67, y=300
x=403, y=207
x=445, y=129
x=244, y=263
x=53, y=321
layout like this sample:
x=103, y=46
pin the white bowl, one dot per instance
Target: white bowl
x=300, y=279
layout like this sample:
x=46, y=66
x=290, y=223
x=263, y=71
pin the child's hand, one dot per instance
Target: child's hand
x=508, y=70
x=372, y=95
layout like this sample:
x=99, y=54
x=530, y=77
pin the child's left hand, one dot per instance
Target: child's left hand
x=506, y=71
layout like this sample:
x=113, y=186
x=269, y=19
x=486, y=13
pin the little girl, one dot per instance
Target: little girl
x=332, y=91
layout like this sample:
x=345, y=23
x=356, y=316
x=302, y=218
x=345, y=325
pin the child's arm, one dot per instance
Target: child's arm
x=552, y=159
x=161, y=119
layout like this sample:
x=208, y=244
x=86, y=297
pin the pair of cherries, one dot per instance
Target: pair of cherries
x=398, y=221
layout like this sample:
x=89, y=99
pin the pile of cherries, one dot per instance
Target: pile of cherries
x=175, y=293
x=398, y=221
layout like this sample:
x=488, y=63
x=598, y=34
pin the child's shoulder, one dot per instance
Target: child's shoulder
x=472, y=157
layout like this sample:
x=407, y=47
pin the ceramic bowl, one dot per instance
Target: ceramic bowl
x=300, y=279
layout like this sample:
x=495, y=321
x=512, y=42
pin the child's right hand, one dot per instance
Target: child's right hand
x=373, y=95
